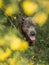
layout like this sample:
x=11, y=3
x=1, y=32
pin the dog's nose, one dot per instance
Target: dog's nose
x=32, y=33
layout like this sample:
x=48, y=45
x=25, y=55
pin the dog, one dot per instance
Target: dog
x=27, y=28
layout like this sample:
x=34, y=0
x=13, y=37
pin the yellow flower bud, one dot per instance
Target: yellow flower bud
x=1, y=3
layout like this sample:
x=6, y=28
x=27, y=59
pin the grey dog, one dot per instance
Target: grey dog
x=27, y=28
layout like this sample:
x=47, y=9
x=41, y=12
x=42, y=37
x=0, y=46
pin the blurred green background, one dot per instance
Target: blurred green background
x=13, y=49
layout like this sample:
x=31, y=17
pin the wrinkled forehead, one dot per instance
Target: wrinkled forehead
x=32, y=28
x=28, y=22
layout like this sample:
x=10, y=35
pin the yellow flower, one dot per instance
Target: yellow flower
x=1, y=54
x=29, y=7
x=1, y=3
x=14, y=17
x=4, y=55
x=23, y=46
x=15, y=43
x=12, y=61
x=40, y=18
x=18, y=44
x=11, y=9
x=8, y=52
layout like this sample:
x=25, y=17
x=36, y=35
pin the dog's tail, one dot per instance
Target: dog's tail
x=20, y=17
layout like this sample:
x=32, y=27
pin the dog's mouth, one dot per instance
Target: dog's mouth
x=32, y=38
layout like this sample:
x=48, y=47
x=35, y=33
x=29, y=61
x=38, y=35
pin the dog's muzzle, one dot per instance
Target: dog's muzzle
x=32, y=36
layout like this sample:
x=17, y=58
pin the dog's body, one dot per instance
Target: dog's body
x=27, y=28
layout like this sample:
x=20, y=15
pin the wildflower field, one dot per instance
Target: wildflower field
x=14, y=50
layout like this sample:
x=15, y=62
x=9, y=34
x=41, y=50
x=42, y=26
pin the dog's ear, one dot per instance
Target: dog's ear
x=20, y=17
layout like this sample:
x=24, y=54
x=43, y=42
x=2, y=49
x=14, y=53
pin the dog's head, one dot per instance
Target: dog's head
x=29, y=28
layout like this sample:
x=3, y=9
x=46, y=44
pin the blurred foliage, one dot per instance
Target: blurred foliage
x=13, y=49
